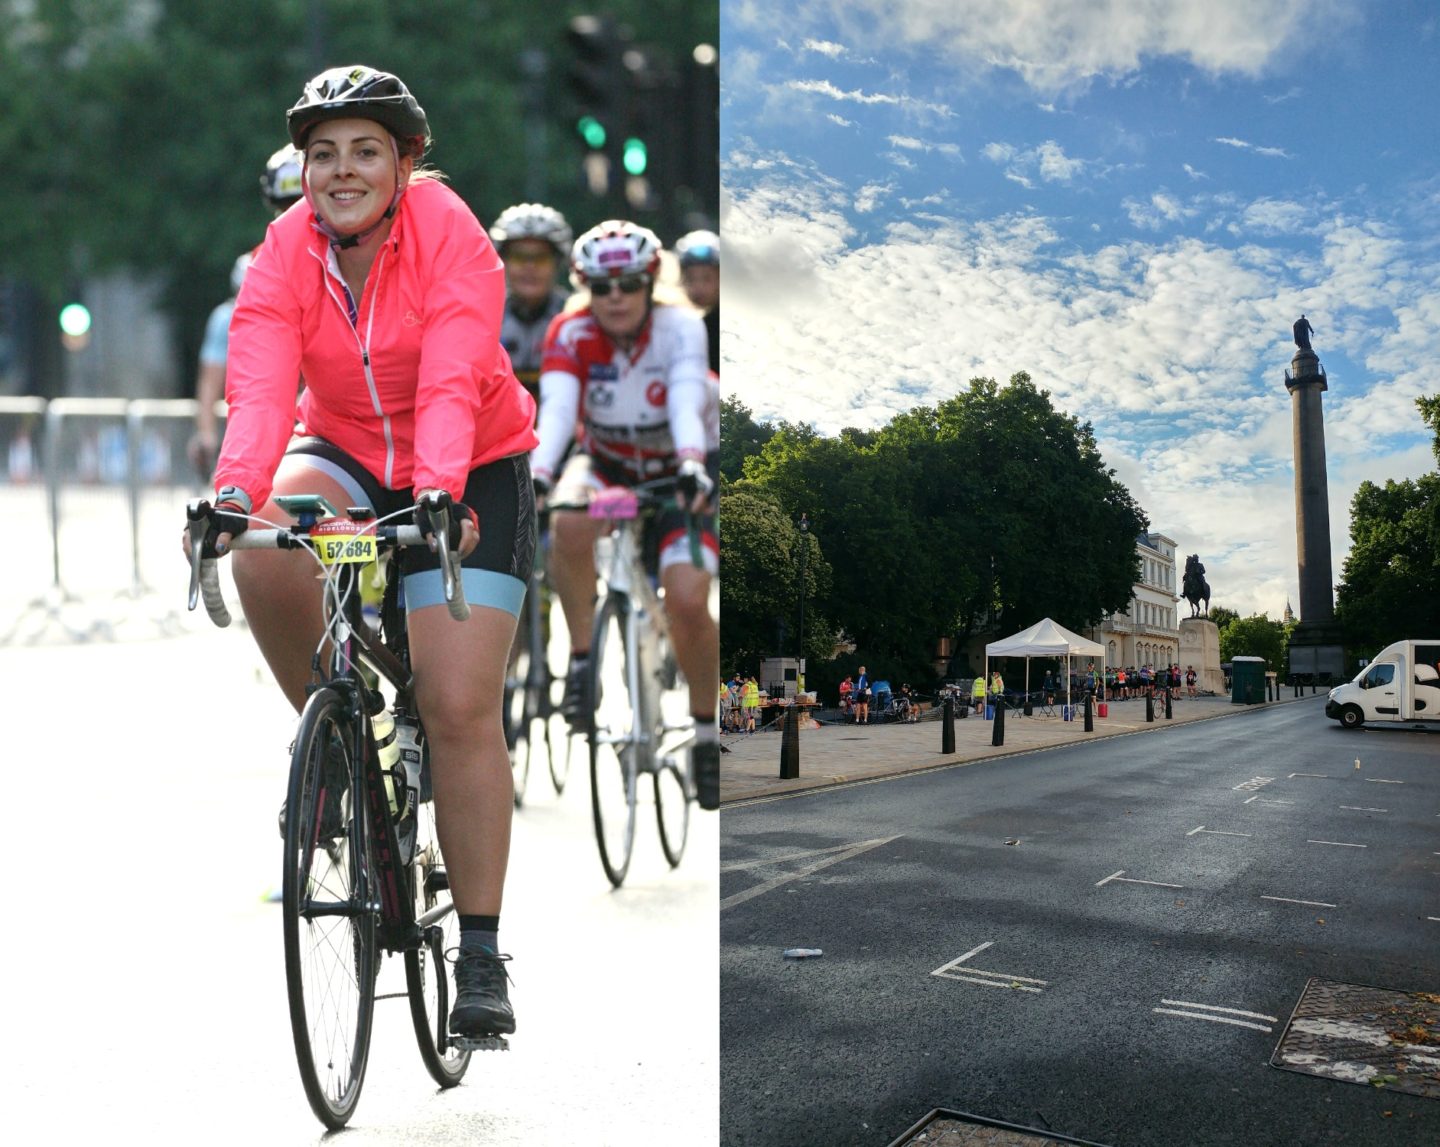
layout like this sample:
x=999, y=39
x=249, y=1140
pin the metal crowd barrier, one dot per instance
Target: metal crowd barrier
x=101, y=477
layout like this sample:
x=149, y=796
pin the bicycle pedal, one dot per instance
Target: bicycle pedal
x=480, y=1043
x=436, y=880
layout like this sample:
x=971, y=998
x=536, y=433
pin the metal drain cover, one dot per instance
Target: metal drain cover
x=942, y=1128
x=1359, y=1034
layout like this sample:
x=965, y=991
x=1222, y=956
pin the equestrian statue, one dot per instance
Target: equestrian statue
x=1197, y=589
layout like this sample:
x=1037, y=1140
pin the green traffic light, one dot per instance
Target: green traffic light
x=75, y=320
x=591, y=130
x=635, y=156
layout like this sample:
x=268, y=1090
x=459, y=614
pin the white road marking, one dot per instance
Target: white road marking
x=1254, y=783
x=1359, y=808
x=778, y=881
x=1435, y=918
x=1337, y=843
x=993, y=979
x=1214, y=1019
x=1322, y=776
x=1216, y=832
x=1121, y=878
x=1263, y=801
x=1378, y=781
x=1216, y=1008
x=1312, y=903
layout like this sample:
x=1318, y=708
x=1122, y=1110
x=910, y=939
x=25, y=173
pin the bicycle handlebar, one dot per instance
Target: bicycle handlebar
x=205, y=572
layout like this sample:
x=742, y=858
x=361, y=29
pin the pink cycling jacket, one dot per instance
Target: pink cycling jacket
x=418, y=390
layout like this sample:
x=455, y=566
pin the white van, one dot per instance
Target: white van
x=1402, y=684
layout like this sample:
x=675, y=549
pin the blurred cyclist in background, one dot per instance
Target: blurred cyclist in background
x=699, y=254
x=279, y=188
x=534, y=243
x=632, y=373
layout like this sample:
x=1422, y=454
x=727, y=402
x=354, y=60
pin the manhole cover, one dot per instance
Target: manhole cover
x=942, y=1128
x=1357, y=1034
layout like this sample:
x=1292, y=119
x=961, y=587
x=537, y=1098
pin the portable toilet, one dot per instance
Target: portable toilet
x=1247, y=680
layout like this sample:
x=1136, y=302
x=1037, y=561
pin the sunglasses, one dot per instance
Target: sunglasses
x=628, y=284
x=530, y=258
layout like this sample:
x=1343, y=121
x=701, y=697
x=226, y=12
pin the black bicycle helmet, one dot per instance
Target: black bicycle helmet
x=364, y=93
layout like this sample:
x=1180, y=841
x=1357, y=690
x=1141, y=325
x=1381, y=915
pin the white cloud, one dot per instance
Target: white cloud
x=1245, y=145
x=1058, y=45
x=1192, y=173
x=830, y=91
x=824, y=47
x=869, y=196
x=1048, y=162
x=910, y=143
x=840, y=119
x=1275, y=217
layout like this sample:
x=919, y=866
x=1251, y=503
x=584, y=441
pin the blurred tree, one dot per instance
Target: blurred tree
x=138, y=132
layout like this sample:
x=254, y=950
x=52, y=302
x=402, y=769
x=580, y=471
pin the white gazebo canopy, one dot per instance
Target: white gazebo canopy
x=1047, y=638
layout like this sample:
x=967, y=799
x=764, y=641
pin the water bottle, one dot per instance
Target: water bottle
x=382, y=725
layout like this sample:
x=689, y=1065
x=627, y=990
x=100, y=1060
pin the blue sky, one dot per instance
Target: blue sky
x=1131, y=201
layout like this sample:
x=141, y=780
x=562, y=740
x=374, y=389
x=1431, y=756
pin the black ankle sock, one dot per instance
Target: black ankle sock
x=480, y=932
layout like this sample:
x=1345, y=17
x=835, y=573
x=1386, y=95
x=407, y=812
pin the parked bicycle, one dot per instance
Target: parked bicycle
x=363, y=869
x=631, y=665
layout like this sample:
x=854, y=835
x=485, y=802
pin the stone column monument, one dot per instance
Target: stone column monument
x=1316, y=645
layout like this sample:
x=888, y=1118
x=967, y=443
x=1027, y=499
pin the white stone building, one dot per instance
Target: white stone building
x=1149, y=634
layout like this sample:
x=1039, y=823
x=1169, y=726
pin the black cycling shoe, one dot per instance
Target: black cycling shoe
x=576, y=706
x=705, y=757
x=482, y=1003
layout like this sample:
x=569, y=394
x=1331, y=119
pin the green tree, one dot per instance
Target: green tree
x=741, y=437
x=761, y=584
x=1390, y=584
x=1222, y=616
x=1255, y=636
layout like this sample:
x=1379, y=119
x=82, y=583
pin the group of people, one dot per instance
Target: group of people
x=740, y=703
x=382, y=348
x=1122, y=683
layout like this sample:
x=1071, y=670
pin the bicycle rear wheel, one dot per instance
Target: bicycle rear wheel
x=330, y=947
x=614, y=739
x=427, y=979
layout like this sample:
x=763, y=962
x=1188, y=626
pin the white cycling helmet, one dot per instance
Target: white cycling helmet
x=282, y=184
x=614, y=248
x=698, y=248
x=532, y=221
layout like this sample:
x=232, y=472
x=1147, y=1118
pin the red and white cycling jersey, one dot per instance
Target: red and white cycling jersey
x=639, y=411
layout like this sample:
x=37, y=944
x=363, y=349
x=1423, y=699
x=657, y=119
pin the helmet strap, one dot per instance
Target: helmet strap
x=345, y=242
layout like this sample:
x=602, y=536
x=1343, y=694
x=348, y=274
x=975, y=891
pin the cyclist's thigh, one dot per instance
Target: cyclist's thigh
x=496, y=572
x=576, y=484
x=673, y=536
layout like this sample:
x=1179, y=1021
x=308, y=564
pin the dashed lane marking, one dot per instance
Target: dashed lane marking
x=1216, y=1019
x=1337, y=843
x=1378, y=781
x=1261, y=800
x=1215, y=832
x=1252, y=784
x=991, y=979
x=1360, y=808
x=842, y=852
x=1311, y=903
x=1121, y=878
x=1321, y=776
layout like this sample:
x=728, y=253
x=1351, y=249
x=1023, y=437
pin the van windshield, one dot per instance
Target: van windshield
x=1378, y=675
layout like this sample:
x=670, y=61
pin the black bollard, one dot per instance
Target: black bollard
x=1149, y=707
x=947, y=728
x=790, y=745
x=1029, y=709
x=1169, y=715
x=997, y=732
x=1089, y=714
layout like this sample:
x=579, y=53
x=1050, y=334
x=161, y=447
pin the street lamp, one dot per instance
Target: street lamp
x=800, y=660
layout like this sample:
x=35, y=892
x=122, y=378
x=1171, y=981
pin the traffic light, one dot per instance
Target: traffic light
x=75, y=326
x=596, y=80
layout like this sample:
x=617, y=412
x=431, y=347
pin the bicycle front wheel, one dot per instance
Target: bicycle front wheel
x=427, y=979
x=615, y=736
x=672, y=804
x=330, y=948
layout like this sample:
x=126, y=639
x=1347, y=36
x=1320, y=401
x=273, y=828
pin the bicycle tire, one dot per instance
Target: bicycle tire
x=614, y=739
x=331, y=959
x=427, y=982
x=672, y=812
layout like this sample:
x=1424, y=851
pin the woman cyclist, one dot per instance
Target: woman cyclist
x=633, y=374
x=386, y=294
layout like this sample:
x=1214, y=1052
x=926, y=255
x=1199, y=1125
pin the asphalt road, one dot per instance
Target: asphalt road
x=144, y=993
x=1020, y=880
